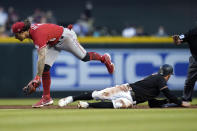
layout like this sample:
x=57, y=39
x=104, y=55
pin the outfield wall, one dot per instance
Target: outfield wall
x=133, y=62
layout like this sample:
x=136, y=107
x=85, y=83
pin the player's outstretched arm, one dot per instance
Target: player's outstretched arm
x=172, y=98
x=154, y=103
x=35, y=83
x=41, y=61
x=176, y=40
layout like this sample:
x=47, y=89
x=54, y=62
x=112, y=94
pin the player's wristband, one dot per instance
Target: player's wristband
x=181, y=37
x=37, y=78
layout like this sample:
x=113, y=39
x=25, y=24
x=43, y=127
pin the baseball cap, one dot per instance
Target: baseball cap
x=17, y=27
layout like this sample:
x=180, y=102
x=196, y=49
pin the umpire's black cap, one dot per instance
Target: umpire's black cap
x=166, y=70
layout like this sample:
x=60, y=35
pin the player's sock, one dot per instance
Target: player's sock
x=101, y=105
x=46, y=82
x=92, y=56
x=85, y=96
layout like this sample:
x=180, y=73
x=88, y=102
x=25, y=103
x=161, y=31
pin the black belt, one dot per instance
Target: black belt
x=133, y=95
x=132, y=92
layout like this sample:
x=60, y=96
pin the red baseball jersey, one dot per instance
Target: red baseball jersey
x=45, y=34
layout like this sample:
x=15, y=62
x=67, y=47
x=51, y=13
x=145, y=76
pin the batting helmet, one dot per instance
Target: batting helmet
x=166, y=70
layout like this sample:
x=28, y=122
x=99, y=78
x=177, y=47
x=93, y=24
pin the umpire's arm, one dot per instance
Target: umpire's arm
x=178, y=39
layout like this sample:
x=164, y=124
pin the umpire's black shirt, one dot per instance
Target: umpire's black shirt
x=150, y=87
x=191, y=38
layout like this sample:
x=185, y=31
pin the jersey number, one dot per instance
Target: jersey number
x=34, y=27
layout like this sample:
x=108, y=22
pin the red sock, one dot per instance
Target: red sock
x=46, y=82
x=95, y=56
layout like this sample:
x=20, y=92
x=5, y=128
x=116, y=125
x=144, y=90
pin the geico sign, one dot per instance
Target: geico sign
x=69, y=73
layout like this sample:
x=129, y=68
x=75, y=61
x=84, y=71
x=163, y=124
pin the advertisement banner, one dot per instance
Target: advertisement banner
x=69, y=73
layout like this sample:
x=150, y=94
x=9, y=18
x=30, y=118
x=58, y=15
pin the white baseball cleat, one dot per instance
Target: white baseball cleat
x=83, y=104
x=65, y=101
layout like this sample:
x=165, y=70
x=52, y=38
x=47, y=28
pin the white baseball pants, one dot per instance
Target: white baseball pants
x=119, y=95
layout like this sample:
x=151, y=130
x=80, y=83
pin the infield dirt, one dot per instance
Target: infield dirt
x=74, y=107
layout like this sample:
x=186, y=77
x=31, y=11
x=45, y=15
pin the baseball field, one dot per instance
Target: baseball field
x=17, y=114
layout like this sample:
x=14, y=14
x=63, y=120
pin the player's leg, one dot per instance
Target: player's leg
x=112, y=93
x=83, y=104
x=65, y=101
x=122, y=103
x=106, y=59
x=46, y=81
x=71, y=44
x=117, y=104
x=105, y=94
x=46, y=99
x=190, y=80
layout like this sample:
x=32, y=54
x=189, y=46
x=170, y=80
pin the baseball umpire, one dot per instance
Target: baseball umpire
x=50, y=39
x=191, y=38
x=127, y=95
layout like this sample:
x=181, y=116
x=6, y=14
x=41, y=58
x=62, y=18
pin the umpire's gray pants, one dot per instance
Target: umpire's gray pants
x=190, y=80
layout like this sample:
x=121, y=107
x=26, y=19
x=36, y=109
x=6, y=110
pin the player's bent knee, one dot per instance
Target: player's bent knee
x=46, y=68
x=97, y=95
x=86, y=58
x=122, y=103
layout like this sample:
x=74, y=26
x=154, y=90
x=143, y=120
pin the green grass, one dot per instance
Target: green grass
x=33, y=101
x=95, y=119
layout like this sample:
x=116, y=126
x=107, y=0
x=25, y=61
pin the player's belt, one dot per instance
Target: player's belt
x=64, y=32
x=133, y=95
x=132, y=92
x=63, y=35
x=61, y=38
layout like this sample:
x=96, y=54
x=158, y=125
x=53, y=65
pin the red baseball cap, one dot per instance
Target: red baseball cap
x=17, y=27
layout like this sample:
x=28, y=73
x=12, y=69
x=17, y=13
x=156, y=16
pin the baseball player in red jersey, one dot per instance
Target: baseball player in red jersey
x=50, y=39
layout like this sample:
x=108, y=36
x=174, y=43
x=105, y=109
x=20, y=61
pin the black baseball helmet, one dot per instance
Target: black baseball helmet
x=166, y=70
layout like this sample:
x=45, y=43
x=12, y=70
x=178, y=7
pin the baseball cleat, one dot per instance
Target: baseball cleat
x=106, y=59
x=44, y=101
x=83, y=104
x=65, y=101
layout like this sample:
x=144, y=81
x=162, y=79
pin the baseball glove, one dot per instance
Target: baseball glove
x=31, y=87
